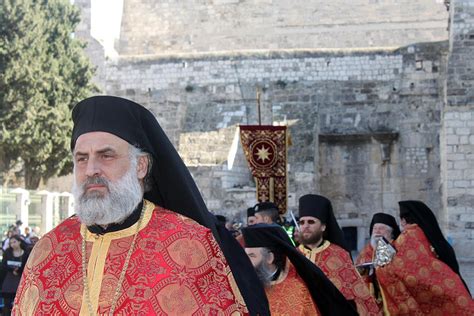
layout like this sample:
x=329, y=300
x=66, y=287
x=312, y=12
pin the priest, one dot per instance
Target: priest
x=294, y=285
x=322, y=241
x=422, y=277
x=385, y=226
x=142, y=241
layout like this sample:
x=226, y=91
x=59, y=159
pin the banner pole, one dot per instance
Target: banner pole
x=258, y=107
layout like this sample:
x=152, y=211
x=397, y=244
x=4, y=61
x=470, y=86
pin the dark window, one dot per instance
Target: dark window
x=350, y=236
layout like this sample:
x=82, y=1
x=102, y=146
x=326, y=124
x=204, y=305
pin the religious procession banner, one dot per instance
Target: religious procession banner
x=265, y=148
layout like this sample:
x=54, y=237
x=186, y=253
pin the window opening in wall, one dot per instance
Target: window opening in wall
x=350, y=237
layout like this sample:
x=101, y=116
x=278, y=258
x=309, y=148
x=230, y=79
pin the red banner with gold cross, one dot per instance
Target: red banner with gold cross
x=265, y=148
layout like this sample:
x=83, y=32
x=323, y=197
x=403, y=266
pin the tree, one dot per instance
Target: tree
x=43, y=73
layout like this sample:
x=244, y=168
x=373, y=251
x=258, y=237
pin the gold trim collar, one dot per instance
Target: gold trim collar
x=148, y=209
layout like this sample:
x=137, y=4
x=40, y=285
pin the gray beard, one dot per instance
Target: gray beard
x=95, y=208
x=373, y=241
x=264, y=274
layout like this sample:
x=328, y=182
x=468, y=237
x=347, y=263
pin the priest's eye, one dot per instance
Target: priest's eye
x=309, y=221
x=107, y=156
x=81, y=159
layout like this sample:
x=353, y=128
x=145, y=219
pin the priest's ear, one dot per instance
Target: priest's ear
x=142, y=166
x=270, y=258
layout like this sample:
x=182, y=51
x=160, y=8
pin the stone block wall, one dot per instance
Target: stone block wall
x=458, y=174
x=460, y=83
x=340, y=107
x=152, y=27
x=93, y=49
x=458, y=137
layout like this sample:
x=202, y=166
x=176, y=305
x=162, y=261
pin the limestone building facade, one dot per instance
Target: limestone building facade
x=378, y=96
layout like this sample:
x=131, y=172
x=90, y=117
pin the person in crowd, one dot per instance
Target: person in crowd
x=12, y=265
x=251, y=220
x=385, y=226
x=26, y=234
x=422, y=277
x=37, y=231
x=18, y=225
x=322, y=241
x=266, y=212
x=31, y=241
x=143, y=241
x=382, y=225
x=294, y=285
x=6, y=241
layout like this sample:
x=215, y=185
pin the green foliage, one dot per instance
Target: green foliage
x=43, y=73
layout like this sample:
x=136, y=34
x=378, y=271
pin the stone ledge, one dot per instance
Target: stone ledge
x=244, y=189
x=344, y=138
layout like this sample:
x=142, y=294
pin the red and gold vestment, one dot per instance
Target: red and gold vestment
x=416, y=282
x=176, y=268
x=336, y=263
x=289, y=295
x=366, y=255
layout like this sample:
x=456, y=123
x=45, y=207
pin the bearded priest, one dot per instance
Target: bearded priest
x=143, y=241
x=322, y=241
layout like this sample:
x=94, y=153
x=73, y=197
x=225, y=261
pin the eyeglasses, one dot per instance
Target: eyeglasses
x=309, y=221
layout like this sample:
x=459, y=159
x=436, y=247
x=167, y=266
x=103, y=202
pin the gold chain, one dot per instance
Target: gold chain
x=122, y=274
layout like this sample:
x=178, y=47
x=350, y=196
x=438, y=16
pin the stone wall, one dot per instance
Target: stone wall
x=458, y=137
x=343, y=109
x=172, y=27
x=93, y=49
x=460, y=83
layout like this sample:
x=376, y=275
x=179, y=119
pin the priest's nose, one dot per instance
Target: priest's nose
x=93, y=167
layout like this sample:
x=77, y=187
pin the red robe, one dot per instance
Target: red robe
x=416, y=282
x=176, y=268
x=289, y=295
x=366, y=256
x=336, y=263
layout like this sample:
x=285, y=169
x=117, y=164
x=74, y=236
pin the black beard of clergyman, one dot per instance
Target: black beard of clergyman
x=113, y=206
x=315, y=238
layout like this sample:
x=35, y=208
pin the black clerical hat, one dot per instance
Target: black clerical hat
x=387, y=219
x=221, y=219
x=265, y=235
x=320, y=207
x=172, y=185
x=250, y=212
x=327, y=297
